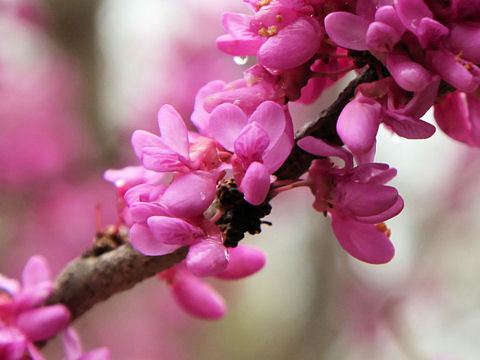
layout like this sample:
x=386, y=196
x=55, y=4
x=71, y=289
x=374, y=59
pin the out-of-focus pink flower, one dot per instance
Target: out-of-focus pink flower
x=22, y=318
x=458, y=115
x=73, y=348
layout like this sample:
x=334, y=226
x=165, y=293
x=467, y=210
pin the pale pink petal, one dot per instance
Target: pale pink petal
x=207, y=257
x=36, y=271
x=255, y=184
x=143, y=241
x=71, y=344
x=363, y=241
x=347, y=30
x=173, y=231
x=162, y=159
x=271, y=117
x=173, y=130
x=35, y=295
x=226, y=123
x=43, y=323
x=292, y=46
x=244, y=261
x=141, y=211
x=33, y=352
x=240, y=40
x=251, y=143
x=200, y=117
x=11, y=286
x=197, y=298
x=190, y=194
x=142, y=139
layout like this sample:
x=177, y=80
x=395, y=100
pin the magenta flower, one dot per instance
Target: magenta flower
x=23, y=320
x=275, y=30
x=356, y=199
x=458, y=115
x=261, y=143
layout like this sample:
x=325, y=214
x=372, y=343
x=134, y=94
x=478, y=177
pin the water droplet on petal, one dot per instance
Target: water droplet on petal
x=240, y=60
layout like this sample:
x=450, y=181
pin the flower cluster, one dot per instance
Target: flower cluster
x=206, y=189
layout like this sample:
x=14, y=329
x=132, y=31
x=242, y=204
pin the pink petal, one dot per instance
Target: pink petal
x=173, y=130
x=12, y=286
x=366, y=199
x=271, y=117
x=347, y=30
x=358, y=124
x=244, y=261
x=407, y=127
x=197, y=298
x=142, y=139
x=162, y=159
x=321, y=148
x=226, y=123
x=200, y=117
x=173, y=231
x=251, y=143
x=388, y=15
x=407, y=73
x=71, y=344
x=207, y=257
x=363, y=241
x=141, y=211
x=36, y=271
x=256, y=183
x=33, y=352
x=240, y=40
x=275, y=157
x=381, y=37
x=394, y=210
x=292, y=46
x=465, y=39
x=143, y=241
x=190, y=194
x=43, y=323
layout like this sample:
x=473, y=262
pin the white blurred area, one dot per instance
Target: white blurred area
x=312, y=301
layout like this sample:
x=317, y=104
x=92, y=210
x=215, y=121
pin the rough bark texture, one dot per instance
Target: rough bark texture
x=89, y=280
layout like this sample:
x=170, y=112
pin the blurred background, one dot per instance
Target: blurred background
x=76, y=77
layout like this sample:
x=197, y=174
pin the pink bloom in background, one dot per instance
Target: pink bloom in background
x=73, y=348
x=458, y=115
x=22, y=318
x=356, y=199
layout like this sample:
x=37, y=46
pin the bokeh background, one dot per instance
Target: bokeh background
x=76, y=77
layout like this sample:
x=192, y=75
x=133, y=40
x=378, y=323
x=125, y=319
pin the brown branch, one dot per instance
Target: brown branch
x=89, y=280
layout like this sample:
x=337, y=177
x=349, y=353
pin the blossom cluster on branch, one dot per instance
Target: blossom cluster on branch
x=206, y=189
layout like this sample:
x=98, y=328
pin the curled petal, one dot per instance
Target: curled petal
x=43, y=323
x=292, y=46
x=173, y=231
x=358, y=124
x=271, y=117
x=256, y=183
x=363, y=241
x=367, y=199
x=347, y=30
x=200, y=117
x=407, y=73
x=197, y=298
x=142, y=139
x=143, y=241
x=240, y=40
x=392, y=211
x=408, y=127
x=207, y=257
x=244, y=261
x=321, y=148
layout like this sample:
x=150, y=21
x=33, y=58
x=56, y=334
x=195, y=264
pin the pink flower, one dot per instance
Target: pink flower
x=276, y=29
x=261, y=143
x=199, y=299
x=458, y=115
x=356, y=199
x=22, y=318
